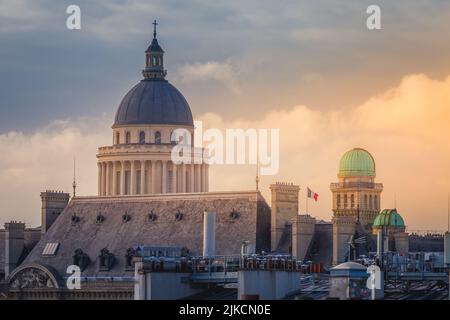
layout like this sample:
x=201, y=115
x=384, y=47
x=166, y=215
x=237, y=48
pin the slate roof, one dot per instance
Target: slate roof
x=117, y=236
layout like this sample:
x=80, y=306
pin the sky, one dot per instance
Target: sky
x=310, y=68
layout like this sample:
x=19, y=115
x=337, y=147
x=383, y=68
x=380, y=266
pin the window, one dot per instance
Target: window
x=155, y=61
x=338, y=201
x=172, y=138
x=50, y=249
x=345, y=201
x=352, y=200
x=370, y=202
x=117, y=137
x=142, y=137
x=158, y=137
x=365, y=201
x=376, y=203
x=128, y=137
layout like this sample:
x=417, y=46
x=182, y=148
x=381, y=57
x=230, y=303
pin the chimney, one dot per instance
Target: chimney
x=53, y=203
x=14, y=245
x=209, y=234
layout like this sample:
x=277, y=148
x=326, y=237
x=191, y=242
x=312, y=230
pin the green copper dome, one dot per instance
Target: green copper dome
x=389, y=218
x=357, y=162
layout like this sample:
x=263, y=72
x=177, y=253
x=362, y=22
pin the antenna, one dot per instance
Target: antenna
x=395, y=200
x=257, y=174
x=74, y=183
x=448, y=212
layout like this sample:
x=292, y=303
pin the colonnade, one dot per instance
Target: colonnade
x=131, y=177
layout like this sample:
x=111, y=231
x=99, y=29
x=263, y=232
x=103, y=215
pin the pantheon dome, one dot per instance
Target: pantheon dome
x=146, y=128
x=154, y=101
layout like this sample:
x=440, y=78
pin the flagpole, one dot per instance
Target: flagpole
x=306, y=200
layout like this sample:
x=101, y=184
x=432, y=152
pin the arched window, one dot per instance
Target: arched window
x=365, y=201
x=376, y=202
x=352, y=200
x=338, y=200
x=158, y=137
x=142, y=137
x=155, y=61
x=172, y=138
x=117, y=137
x=128, y=137
x=345, y=201
x=370, y=202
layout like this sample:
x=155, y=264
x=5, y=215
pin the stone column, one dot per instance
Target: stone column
x=142, y=176
x=174, y=178
x=207, y=177
x=183, y=178
x=114, y=178
x=198, y=178
x=164, y=176
x=192, y=177
x=122, y=178
x=202, y=169
x=104, y=179
x=154, y=177
x=108, y=179
x=133, y=178
x=99, y=165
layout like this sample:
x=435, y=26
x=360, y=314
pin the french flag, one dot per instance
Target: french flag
x=312, y=194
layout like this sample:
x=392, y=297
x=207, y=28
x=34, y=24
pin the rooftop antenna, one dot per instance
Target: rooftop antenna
x=448, y=212
x=257, y=173
x=74, y=183
x=395, y=200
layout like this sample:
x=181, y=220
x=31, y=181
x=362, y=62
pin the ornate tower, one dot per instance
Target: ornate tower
x=355, y=196
x=154, y=59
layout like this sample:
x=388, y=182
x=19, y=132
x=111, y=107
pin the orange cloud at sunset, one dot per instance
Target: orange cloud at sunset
x=405, y=128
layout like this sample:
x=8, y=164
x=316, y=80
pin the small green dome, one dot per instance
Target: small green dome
x=357, y=162
x=389, y=218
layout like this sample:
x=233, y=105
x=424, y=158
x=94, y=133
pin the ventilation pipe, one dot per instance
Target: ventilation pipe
x=209, y=234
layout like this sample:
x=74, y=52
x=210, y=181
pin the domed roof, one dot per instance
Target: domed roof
x=357, y=162
x=389, y=218
x=154, y=101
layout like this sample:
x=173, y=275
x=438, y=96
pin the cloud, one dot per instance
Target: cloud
x=21, y=15
x=223, y=72
x=406, y=128
x=42, y=160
